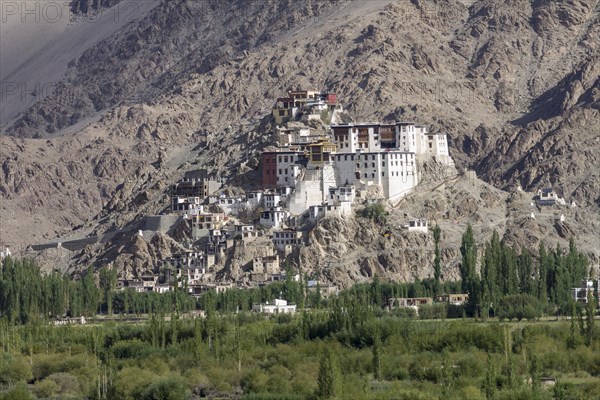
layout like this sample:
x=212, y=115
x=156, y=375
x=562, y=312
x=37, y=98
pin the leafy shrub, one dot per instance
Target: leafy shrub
x=45, y=365
x=272, y=396
x=18, y=392
x=166, y=389
x=68, y=384
x=432, y=311
x=374, y=211
x=13, y=369
x=131, y=381
x=46, y=388
x=132, y=349
x=519, y=306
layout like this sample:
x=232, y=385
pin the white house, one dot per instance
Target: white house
x=231, y=205
x=246, y=231
x=254, y=199
x=271, y=200
x=188, y=205
x=580, y=294
x=274, y=217
x=279, y=307
x=417, y=225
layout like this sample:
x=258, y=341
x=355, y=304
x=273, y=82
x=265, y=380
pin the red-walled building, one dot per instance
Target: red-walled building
x=268, y=162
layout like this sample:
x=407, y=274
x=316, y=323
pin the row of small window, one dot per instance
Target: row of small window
x=285, y=159
x=392, y=163
x=393, y=156
x=293, y=241
x=285, y=235
x=393, y=173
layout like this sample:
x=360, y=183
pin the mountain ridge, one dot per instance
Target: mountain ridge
x=518, y=106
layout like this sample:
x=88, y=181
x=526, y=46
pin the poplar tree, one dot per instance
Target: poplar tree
x=437, y=267
x=489, y=271
x=525, y=273
x=108, y=282
x=329, y=377
x=489, y=384
x=470, y=282
x=589, y=319
x=542, y=274
x=377, y=356
x=534, y=371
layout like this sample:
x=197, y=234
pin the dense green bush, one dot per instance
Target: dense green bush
x=134, y=348
x=18, y=392
x=13, y=369
x=519, y=306
x=375, y=211
x=166, y=389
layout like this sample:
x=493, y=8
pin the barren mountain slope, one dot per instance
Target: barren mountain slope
x=514, y=84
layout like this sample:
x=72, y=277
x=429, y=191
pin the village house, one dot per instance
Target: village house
x=266, y=264
x=164, y=288
x=265, y=269
x=244, y=231
x=287, y=136
x=287, y=239
x=297, y=102
x=581, y=294
x=271, y=200
x=138, y=286
x=274, y=217
x=195, y=184
x=203, y=222
x=547, y=197
x=408, y=302
x=454, y=299
x=417, y=225
x=184, y=205
x=279, y=307
x=190, y=267
x=326, y=289
x=340, y=209
x=231, y=205
x=218, y=243
x=254, y=199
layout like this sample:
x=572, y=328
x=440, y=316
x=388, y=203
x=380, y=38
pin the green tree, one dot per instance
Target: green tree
x=542, y=274
x=489, y=384
x=90, y=293
x=376, y=294
x=447, y=376
x=590, y=309
x=489, y=271
x=534, y=372
x=377, y=356
x=329, y=378
x=437, y=265
x=525, y=266
x=468, y=273
x=108, y=283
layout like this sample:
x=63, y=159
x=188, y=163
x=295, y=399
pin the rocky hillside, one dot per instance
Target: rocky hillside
x=515, y=84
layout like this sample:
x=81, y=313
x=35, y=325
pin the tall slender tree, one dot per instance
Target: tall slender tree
x=377, y=356
x=437, y=264
x=542, y=274
x=329, y=377
x=470, y=282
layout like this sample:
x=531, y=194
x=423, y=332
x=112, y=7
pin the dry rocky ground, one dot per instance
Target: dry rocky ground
x=515, y=84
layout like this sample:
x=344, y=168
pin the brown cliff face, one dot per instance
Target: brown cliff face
x=514, y=84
